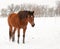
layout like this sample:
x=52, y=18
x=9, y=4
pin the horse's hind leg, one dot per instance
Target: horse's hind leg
x=10, y=32
x=13, y=34
x=24, y=30
x=18, y=35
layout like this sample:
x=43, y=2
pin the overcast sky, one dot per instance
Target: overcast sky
x=5, y=3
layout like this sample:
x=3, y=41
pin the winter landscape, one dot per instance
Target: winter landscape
x=45, y=34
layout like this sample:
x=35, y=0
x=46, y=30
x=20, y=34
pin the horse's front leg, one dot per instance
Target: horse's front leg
x=24, y=30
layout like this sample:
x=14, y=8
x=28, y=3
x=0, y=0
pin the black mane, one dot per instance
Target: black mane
x=24, y=14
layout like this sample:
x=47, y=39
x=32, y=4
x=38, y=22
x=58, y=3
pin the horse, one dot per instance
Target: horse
x=20, y=20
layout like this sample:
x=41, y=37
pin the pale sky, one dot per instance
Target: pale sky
x=5, y=3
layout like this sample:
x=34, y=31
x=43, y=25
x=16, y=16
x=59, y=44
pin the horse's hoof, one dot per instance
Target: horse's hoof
x=18, y=42
x=9, y=39
x=13, y=40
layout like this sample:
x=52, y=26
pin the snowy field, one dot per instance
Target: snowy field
x=45, y=35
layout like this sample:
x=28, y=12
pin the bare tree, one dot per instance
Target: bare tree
x=58, y=8
x=12, y=8
x=4, y=12
x=51, y=12
x=39, y=10
x=22, y=7
x=17, y=8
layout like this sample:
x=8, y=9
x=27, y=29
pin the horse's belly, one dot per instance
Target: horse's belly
x=19, y=25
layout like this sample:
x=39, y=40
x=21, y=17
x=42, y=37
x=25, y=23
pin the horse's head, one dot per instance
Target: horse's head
x=31, y=18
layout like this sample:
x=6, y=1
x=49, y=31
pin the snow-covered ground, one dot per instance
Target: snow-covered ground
x=45, y=35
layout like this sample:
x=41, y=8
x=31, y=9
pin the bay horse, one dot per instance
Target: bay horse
x=20, y=20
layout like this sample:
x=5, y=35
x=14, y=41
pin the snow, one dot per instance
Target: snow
x=45, y=34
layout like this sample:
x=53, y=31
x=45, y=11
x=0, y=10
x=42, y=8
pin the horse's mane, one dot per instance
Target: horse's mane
x=24, y=14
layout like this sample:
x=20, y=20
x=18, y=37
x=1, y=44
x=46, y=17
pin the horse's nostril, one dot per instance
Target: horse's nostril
x=33, y=25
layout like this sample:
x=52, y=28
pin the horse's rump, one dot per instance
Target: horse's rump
x=13, y=20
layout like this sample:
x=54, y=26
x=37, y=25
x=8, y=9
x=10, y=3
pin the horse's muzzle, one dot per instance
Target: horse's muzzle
x=33, y=25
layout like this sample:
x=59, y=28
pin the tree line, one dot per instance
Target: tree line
x=39, y=10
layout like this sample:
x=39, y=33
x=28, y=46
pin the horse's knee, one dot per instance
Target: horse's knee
x=23, y=35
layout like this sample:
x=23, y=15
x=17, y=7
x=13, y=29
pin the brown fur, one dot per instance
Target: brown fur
x=18, y=21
